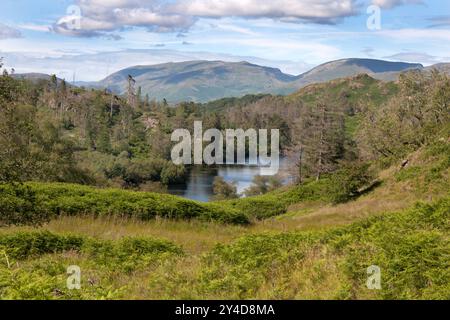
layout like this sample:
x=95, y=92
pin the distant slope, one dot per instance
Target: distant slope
x=200, y=81
x=351, y=67
x=34, y=77
x=441, y=67
x=204, y=81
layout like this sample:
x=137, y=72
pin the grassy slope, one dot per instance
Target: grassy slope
x=58, y=199
x=300, y=254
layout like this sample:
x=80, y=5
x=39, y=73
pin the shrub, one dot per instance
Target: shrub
x=19, y=206
x=347, y=183
x=261, y=207
x=65, y=199
x=223, y=190
x=23, y=245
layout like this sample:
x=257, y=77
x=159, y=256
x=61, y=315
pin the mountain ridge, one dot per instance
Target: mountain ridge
x=203, y=80
x=208, y=80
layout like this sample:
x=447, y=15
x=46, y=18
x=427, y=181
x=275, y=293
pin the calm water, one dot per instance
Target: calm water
x=199, y=185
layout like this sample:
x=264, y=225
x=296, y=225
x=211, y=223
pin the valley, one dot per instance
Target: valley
x=86, y=175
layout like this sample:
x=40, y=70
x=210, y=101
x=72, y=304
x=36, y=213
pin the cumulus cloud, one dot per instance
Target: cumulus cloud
x=307, y=10
x=97, y=17
x=388, y=4
x=8, y=32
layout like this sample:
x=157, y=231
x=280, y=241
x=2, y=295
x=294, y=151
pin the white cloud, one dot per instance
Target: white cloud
x=8, y=32
x=104, y=16
x=35, y=27
x=100, y=16
x=308, y=10
x=388, y=4
x=420, y=57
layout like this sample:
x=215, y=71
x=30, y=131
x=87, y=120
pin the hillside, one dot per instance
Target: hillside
x=206, y=81
x=381, y=200
x=351, y=67
x=200, y=80
x=203, y=81
x=35, y=77
x=314, y=251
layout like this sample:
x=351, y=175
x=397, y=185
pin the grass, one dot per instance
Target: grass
x=411, y=246
x=306, y=248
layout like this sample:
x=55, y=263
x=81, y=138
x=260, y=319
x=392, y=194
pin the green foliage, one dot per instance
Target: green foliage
x=172, y=174
x=261, y=207
x=129, y=254
x=262, y=185
x=24, y=245
x=44, y=277
x=65, y=199
x=349, y=181
x=410, y=247
x=19, y=206
x=240, y=268
x=32, y=148
x=311, y=190
x=408, y=174
x=276, y=202
x=409, y=120
x=223, y=190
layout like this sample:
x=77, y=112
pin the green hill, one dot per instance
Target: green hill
x=204, y=81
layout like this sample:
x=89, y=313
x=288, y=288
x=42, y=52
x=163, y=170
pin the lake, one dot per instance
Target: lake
x=199, y=183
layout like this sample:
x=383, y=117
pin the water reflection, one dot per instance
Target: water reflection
x=199, y=185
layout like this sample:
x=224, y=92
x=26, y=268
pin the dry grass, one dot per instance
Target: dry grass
x=194, y=236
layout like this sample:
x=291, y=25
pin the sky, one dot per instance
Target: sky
x=85, y=40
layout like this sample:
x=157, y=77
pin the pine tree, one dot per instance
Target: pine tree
x=139, y=96
x=322, y=139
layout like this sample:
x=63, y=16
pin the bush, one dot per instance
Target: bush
x=276, y=203
x=56, y=199
x=223, y=190
x=129, y=254
x=19, y=206
x=348, y=182
x=261, y=207
x=23, y=245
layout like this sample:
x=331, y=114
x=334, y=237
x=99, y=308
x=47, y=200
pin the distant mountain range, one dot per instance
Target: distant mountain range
x=34, y=77
x=203, y=81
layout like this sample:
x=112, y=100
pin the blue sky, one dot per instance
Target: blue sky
x=293, y=35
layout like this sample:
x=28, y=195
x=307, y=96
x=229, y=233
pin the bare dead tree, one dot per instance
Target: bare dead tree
x=131, y=92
